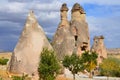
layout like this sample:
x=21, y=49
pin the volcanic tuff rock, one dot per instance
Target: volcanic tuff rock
x=25, y=58
x=99, y=48
x=63, y=39
x=71, y=37
x=79, y=28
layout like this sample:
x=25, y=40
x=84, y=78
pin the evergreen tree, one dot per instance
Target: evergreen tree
x=48, y=66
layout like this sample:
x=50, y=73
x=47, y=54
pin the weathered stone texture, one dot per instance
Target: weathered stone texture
x=99, y=48
x=81, y=36
x=63, y=39
x=79, y=29
x=26, y=55
x=71, y=37
x=78, y=13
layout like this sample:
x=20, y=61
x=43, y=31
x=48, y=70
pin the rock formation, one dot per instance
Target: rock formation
x=25, y=58
x=71, y=37
x=99, y=48
x=79, y=29
x=63, y=39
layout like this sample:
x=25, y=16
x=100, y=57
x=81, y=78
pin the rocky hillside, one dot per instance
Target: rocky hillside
x=113, y=51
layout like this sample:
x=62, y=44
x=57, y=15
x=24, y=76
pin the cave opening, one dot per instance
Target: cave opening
x=76, y=38
x=83, y=48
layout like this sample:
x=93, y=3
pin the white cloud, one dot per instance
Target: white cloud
x=93, y=24
x=47, y=12
x=53, y=6
x=97, y=2
x=14, y=7
x=48, y=15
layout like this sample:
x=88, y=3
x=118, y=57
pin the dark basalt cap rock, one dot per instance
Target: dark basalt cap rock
x=99, y=37
x=64, y=7
x=76, y=7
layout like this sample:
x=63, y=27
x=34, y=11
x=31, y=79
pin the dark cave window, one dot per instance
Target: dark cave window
x=76, y=37
x=83, y=48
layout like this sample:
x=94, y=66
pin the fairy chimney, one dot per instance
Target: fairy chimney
x=63, y=39
x=99, y=48
x=71, y=37
x=26, y=55
x=63, y=14
x=79, y=29
x=78, y=13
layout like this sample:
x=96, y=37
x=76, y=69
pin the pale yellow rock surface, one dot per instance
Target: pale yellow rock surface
x=71, y=36
x=99, y=48
x=26, y=55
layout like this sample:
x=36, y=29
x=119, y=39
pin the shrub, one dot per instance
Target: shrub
x=48, y=66
x=1, y=78
x=110, y=67
x=90, y=61
x=73, y=63
x=3, y=61
x=24, y=77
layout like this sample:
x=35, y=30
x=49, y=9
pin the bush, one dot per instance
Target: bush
x=3, y=61
x=90, y=61
x=110, y=67
x=1, y=78
x=24, y=77
x=73, y=63
x=48, y=66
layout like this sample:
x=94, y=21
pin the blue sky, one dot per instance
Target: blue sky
x=103, y=17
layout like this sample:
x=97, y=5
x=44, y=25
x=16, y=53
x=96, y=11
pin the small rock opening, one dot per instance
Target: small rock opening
x=83, y=48
x=76, y=38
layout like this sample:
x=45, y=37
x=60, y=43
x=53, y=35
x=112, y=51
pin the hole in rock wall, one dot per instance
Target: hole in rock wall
x=76, y=38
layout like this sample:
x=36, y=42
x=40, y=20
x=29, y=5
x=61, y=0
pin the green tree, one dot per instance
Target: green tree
x=90, y=61
x=3, y=61
x=48, y=66
x=73, y=63
x=110, y=67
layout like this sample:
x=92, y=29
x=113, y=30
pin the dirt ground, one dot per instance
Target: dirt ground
x=4, y=73
x=5, y=76
x=6, y=55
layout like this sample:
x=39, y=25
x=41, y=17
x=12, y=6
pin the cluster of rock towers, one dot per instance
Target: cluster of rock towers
x=71, y=37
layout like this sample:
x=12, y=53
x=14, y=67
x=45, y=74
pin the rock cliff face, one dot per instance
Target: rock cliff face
x=79, y=29
x=63, y=39
x=71, y=37
x=99, y=48
x=25, y=58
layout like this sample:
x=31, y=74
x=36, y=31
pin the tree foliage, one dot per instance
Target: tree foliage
x=90, y=60
x=3, y=61
x=48, y=66
x=23, y=77
x=110, y=67
x=1, y=78
x=73, y=63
